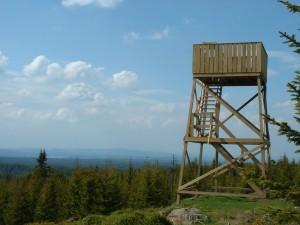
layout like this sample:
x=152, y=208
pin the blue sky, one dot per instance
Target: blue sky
x=117, y=73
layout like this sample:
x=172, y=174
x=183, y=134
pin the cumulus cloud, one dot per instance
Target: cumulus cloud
x=102, y=3
x=154, y=35
x=3, y=59
x=152, y=92
x=163, y=108
x=64, y=114
x=272, y=72
x=284, y=105
x=188, y=21
x=76, y=91
x=37, y=67
x=122, y=79
x=158, y=35
x=43, y=69
x=290, y=59
x=61, y=114
x=132, y=37
x=16, y=114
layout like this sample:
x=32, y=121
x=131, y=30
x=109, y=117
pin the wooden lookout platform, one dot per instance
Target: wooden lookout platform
x=216, y=65
x=230, y=64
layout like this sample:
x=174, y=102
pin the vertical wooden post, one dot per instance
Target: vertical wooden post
x=182, y=169
x=261, y=126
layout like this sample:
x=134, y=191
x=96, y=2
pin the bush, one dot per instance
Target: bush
x=281, y=216
x=93, y=220
x=135, y=217
x=294, y=197
x=155, y=219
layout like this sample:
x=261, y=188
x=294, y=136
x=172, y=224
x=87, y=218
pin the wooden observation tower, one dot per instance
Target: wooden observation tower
x=216, y=126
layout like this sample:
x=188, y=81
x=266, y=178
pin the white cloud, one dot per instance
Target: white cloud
x=24, y=92
x=289, y=58
x=77, y=69
x=163, y=108
x=152, y=92
x=61, y=114
x=123, y=79
x=37, y=67
x=102, y=3
x=3, y=59
x=5, y=104
x=158, y=35
x=132, y=37
x=16, y=114
x=169, y=122
x=42, y=116
x=76, y=91
x=188, y=21
x=272, y=72
x=284, y=105
x=43, y=69
x=155, y=35
x=64, y=114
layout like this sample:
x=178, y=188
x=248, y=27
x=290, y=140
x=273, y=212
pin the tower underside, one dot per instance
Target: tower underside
x=224, y=132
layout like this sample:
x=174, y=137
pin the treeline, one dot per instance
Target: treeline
x=49, y=195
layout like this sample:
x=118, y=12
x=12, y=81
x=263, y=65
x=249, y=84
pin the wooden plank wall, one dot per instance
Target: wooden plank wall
x=230, y=58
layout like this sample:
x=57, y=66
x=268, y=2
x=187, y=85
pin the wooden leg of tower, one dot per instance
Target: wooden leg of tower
x=263, y=161
x=200, y=160
x=182, y=170
x=216, y=173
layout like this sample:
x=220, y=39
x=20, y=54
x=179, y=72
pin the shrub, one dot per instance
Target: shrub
x=93, y=219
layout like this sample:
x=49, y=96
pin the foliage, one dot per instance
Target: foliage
x=294, y=197
x=93, y=219
x=276, y=216
x=293, y=86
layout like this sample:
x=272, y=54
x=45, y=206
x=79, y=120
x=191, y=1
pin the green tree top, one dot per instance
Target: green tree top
x=293, y=87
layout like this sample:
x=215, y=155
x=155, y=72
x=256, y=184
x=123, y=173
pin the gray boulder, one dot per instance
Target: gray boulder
x=186, y=216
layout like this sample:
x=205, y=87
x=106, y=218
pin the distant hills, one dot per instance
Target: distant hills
x=103, y=157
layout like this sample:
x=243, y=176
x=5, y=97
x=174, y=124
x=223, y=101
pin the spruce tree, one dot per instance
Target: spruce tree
x=285, y=129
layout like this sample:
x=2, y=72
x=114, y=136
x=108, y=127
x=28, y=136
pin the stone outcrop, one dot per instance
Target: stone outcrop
x=186, y=216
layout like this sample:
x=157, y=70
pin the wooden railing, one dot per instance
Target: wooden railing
x=230, y=58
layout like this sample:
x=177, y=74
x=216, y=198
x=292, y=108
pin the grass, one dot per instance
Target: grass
x=223, y=210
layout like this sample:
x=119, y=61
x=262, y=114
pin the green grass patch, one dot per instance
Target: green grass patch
x=222, y=210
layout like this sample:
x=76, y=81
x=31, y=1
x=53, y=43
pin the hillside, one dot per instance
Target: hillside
x=219, y=211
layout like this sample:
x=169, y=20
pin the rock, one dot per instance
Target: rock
x=186, y=216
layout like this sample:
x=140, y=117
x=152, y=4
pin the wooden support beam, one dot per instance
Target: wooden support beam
x=245, y=141
x=232, y=110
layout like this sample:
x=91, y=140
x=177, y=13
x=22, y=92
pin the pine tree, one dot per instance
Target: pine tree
x=50, y=201
x=293, y=87
x=3, y=199
x=18, y=207
x=111, y=191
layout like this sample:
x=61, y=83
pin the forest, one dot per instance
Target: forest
x=47, y=194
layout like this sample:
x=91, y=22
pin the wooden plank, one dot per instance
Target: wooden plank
x=229, y=52
x=226, y=194
x=254, y=57
x=239, y=58
x=225, y=59
x=220, y=60
x=196, y=58
x=211, y=58
x=249, y=56
x=245, y=141
x=234, y=58
x=202, y=59
x=244, y=57
x=216, y=58
x=206, y=69
x=259, y=54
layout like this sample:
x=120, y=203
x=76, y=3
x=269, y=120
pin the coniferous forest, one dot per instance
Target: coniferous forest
x=47, y=194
